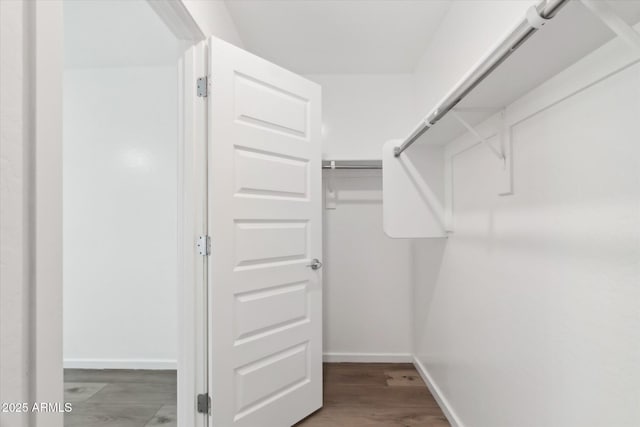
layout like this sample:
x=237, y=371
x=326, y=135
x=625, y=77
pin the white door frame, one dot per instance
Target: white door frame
x=192, y=222
x=31, y=63
x=192, y=202
x=31, y=336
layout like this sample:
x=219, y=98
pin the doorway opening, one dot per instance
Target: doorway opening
x=120, y=213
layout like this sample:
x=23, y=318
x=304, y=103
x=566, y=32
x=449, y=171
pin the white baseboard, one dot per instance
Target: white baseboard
x=367, y=358
x=172, y=364
x=437, y=394
x=154, y=364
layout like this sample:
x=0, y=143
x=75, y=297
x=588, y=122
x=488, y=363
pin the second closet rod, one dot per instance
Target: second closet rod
x=353, y=167
x=354, y=164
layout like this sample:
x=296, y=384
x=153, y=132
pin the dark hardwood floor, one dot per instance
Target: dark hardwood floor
x=375, y=395
x=363, y=394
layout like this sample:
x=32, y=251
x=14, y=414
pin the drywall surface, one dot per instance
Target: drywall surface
x=214, y=19
x=367, y=276
x=120, y=217
x=367, y=283
x=141, y=39
x=530, y=316
x=360, y=112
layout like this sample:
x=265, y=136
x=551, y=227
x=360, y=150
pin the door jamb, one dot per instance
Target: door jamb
x=192, y=288
x=192, y=177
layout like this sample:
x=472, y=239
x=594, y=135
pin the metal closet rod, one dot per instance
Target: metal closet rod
x=353, y=167
x=545, y=10
x=345, y=164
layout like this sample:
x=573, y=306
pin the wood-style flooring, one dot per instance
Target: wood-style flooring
x=120, y=398
x=375, y=395
x=367, y=395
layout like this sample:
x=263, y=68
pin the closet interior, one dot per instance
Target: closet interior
x=476, y=168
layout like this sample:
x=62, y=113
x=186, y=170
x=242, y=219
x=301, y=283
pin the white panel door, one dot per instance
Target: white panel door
x=265, y=222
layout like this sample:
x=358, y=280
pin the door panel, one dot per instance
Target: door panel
x=265, y=223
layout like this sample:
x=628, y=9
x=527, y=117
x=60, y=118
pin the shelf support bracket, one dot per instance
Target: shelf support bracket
x=331, y=197
x=612, y=20
x=480, y=138
x=503, y=154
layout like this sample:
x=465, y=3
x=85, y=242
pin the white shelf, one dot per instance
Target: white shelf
x=571, y=35
x=412, y=205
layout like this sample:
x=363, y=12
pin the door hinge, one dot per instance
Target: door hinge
x=202, y=86
x=204, y=245
x=203, y=403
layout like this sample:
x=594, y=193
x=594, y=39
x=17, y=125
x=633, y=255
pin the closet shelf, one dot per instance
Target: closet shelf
x=573, y=32
x=413, y=201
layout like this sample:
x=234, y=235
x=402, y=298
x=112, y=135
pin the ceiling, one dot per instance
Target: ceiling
x=338, y=36
x=115, y=33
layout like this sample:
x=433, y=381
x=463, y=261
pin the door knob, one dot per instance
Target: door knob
x=315, y=264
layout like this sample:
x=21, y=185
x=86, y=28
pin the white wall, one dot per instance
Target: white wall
x=367, y=276
x=529, y=316
x=141, y=38
x=367, y=284
x=120, y=217
x=360, y=112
